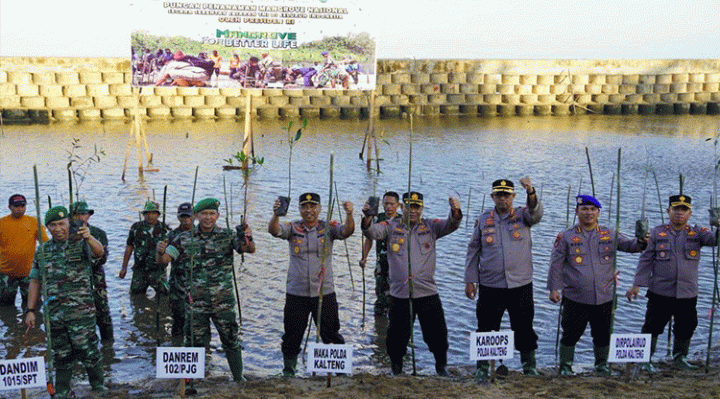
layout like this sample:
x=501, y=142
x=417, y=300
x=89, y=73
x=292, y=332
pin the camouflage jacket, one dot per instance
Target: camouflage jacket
x=69, y=291
x=144, y=237
x=209, y=260
x=100, y=235
x=178, y=267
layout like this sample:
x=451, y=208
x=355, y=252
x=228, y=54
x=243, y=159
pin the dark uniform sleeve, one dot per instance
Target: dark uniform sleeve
x=643, y=274
x=472, y=258
x=630, y=245
x=557, y=261
x=131, y=236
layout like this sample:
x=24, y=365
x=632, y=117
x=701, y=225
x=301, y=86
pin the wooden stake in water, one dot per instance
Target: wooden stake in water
x=615, y=245
x=592, y=180
x=408, y=240
x=347, y=252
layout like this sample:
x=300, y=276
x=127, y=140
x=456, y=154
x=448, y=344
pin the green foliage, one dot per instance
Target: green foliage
x=79, y=165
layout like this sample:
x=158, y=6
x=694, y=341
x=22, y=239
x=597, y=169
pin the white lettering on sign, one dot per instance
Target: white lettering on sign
x=492, y=345
x=330, y=358
x=22, y=373
x=629, y=348
x=180, y=362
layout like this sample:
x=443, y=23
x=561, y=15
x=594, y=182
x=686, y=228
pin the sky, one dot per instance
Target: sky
x=448, y=29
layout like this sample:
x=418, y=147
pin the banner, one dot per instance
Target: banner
x=286, y=44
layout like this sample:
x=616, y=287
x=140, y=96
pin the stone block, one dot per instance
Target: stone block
x=647, y=79
x=614, y=79
x=82, y=102
x=330, y=112
x=474, y=99
x=510, y=79
x=475, y=78
x=33, y=102
x=276, y=101
x=113, y=113
x=528, y=98
x=528, y=79
x=694, y=87
x=159, y=112
x=582, y=98
x=151, y=101
x=505, y=88
x=268, y=112
x=127, y=101
x=449, y=88
x=430, y=110
x=600, y=98
x=66, y=114
x=310, y=112
x=67, y=78
x=686, y=97
x=493, y=78
x=166, y=91
x=541, y=89
x=217, y=100
x=596, y=79
x=661, y=88
x=457, y=77
x=492, y=98
x=678, y=88
x=97, y=90
x=545, y=79
x=225, y=112
x=420, y=78
x=429, y=88
x=359, y=101
x=468, y=88
x=409, y=89
x=103, y=102
x=340, y=101
x=696, y=78
x=111, y=78
x=289, y=112
x=559, y=88
x=668, y=97
x=486, y=88
x=57, y=102
x=322, y=101
x=299, y=101
x=634, y=99
x=593, y=89
x=236, y=102
x=461, y=66
x=456, y=98
x=43, y=78
x=236, y=91
x=664, y=79
x=487, y=110
x=120, y=89
x=28, y=90
x=610, y=89
x=400, y=78
x=513, y=99
x=631, y=79
x=715, y=96
x=545, y=98
x=271, y=92
x=208, y=91
x=711, y=87
x=523, y=89
x=9, y=89
x=74, y=91
x=3, y=77
x=450, y=109
x=194, y=101
x=19, y=78
x=627, y=88
x=681, y=108
x=437, y=98
x=438, y=78
x=560, y=109
x=645, y=88
x=563, y=98
x=580, y=80
x=391, y=89
x=681, y=77
x=651, y=98
x=89, y=114
x=576, y=89
x=380, y=79
x=90, y=77
x=562, y=79
x=616, y=98
x=187, y=91
x=506, y=110
x=703, y=97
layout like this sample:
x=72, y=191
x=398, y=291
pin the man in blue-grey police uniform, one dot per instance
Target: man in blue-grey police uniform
x=669, y=268
x=498, y=267
x=581, y=266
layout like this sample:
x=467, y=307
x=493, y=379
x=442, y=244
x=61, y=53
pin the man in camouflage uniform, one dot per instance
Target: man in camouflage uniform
x=391, y=202
x=142, y=242
x=310, y=273
x=178, y=270
x=669, y=268
x=66, y=261
x=81, y=214
x=208, y=250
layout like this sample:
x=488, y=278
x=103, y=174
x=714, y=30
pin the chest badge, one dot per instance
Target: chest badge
x=577, y=250
x=489, y=239
x=693, y=253
x=516, y=234
x=578, y=259
x=395, y=247
x=401, y=240
x=662, y=254
x=296, y=249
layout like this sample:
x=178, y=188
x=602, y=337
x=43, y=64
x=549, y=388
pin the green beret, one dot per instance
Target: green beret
x=207, y=203
x=80, y=208
x=55, y=213
x=151, y=206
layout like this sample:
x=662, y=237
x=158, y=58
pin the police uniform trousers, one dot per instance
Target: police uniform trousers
x=492, y=304
x=295, y=320
x=576, y=316
x=659, y=310
x=430, y=312
x=75, y=340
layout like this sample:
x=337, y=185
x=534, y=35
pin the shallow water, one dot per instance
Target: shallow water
x=450, y=157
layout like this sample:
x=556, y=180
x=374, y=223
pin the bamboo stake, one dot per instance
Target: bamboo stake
x=347, y=252
x=615, y=245
x=592, y=180
x=234, y=273
x=410, y=276
x=157, y=294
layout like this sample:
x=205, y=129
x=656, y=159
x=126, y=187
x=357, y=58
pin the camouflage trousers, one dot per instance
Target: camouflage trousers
x=102, y=305
x=143, y=278
x=197, y=325
x=75, y=340
x=9, y=287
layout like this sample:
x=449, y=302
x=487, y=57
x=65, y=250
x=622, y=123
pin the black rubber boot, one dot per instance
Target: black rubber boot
x=601, y=359
x=290, y=365
x=63, y=377
x=529, y=366
x=680, y=352
x=96, y=378
x=234, y=358
x=567, y=357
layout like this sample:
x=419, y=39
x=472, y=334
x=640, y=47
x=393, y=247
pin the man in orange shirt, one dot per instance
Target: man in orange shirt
x=18, y=235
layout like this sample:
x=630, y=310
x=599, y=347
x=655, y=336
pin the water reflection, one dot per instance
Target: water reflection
x=450, y=156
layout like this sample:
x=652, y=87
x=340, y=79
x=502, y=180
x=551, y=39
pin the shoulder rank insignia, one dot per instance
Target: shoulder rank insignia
x=605, y=238
x=662, y=234
x=384, y=223
x=557, y=240
x=489, y=221
x=692, y=233
x=703, y=229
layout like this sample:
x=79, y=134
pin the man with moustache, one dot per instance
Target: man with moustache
x=420, y=235
x=581, y=266
x=669, y=268
x=499, y=268
x=310, y=273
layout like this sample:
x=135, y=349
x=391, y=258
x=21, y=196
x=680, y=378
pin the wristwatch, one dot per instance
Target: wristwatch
x=28, y=310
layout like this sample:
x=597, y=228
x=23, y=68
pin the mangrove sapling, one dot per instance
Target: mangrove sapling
x=79, y=165
x=292, y=138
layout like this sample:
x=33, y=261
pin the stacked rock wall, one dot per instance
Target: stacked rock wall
x=86, y=89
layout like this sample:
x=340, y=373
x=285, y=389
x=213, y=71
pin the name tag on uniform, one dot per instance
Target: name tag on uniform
x=629, y=348
x=180, y=362
x=330, y=358
x=492, y=345
x=23, y=373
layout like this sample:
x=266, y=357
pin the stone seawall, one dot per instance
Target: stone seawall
x=90, y=89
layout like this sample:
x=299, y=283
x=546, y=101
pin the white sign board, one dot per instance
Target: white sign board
x=330, y=358
x=180, y=362
x=492, y=345
x=629, y=348
x=22, y=373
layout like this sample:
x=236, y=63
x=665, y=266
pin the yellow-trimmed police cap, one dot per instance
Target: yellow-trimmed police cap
x=413, y=198
x=503, y=186
x=207, y=203
x=680, y=200
x=312, y=198
x=55, y=213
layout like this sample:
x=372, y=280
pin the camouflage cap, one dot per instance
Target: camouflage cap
x=207, y=203
x=55, y=213
x=151, y=206
x=80, y=208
